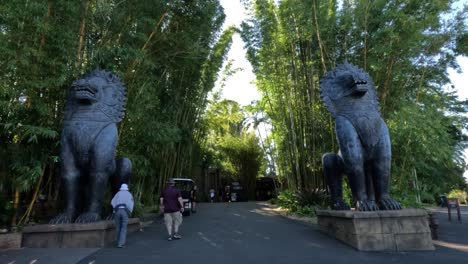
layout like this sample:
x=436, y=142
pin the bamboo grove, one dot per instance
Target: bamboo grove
x=406, y=46
x=168, y=54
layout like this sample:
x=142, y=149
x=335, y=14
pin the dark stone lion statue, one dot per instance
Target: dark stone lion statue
x=95, y=104
x=363, y=138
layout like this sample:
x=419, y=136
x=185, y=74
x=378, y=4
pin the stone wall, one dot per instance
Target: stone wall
x=399, y=230
x=10, y=240
x=99, y=234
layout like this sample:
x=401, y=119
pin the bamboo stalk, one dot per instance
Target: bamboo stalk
x=25, y=217
x=319, y=39
x=82, y=31
x=16, y=200
x=154, y=31
x=387, y=82
x=148, y=40
x=365, y=34
x=46, y=22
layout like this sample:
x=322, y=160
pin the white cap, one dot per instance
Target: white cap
x=124, y=187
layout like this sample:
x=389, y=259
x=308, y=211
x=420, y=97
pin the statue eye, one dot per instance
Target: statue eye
x=346, y=80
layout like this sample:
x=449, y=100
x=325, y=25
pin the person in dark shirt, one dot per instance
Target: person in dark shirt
x=193, y=198
x=227, y=193
x=220, y=194
x=172, y=205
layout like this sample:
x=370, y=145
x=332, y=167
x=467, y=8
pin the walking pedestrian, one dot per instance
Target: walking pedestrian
x=227, y=193
x=220, y=194
x=123, y=207
x=172, y=205
x=212, y=195
x=193, y=198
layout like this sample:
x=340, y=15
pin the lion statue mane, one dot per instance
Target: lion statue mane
x=363, y=138
x=95, y=104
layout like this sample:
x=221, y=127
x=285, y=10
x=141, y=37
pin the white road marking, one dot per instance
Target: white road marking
x=213, y=244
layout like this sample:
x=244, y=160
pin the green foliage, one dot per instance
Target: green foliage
x=287, y=199
x=427, y=156
x=138, y=210
x=408, y=201
x=459, y=194
x=347, y=194
x=230, y=146
x=7, y=210
x=405, y=46
x=302, y=203
x=318, y=198
x=167, y=54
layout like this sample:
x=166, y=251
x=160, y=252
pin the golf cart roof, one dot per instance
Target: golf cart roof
x=183, y=179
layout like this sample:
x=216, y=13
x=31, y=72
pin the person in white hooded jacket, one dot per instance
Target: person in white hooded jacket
x=123, y=207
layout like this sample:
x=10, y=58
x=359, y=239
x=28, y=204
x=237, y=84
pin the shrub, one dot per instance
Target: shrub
x=303, y=203
x=138, y=210
x=6, y=207
x=457, y=193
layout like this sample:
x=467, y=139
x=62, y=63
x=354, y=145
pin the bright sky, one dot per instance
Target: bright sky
x=240, y=86
x=460, y=82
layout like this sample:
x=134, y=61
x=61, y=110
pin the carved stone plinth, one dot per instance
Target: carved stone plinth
x=400, y=230
x=10, y=240
x=93, y=235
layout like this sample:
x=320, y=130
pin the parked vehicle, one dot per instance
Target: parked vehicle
x=185, y=185
x=238, y=193
x=265, y=189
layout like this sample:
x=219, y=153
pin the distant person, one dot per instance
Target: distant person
x=193, y=198
x=227, y=193
x=123, y=207
x=220, y=194
x=212, y=194
x=172, y=205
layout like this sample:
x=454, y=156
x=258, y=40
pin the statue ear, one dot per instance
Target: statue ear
x=329, y=104
x=110, y=95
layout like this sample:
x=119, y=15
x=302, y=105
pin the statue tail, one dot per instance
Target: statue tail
x=123, y=170
x=333, y=169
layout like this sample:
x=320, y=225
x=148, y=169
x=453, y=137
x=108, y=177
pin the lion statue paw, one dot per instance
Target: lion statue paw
x=339, y=204
x=366, y=205
x=88, y=218
x=389, y=204
x=61, y=219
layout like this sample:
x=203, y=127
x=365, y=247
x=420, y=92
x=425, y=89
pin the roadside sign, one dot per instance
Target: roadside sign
x=452, y=203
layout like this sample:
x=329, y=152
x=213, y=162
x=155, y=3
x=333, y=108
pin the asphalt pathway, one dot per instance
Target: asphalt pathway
x=244, y=233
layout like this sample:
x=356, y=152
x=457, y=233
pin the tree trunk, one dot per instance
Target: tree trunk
x=82, y=32
x=319, y=39
x=25, y=217
x=16, y=200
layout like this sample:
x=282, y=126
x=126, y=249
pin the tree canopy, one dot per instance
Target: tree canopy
x=405, y=46
x=168, y=54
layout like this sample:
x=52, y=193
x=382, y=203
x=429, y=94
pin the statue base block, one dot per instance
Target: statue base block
x=93, y=235
x=400, y=230
x=10, y=240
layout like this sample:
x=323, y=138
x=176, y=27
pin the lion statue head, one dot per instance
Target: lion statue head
x=348, y=88
x=99, y=94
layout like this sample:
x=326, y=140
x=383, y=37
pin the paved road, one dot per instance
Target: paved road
x=247, y=233
x=452, y=234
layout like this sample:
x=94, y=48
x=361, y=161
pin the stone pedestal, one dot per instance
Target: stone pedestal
x=93, y=235
x=401, y=230
x=10, y=240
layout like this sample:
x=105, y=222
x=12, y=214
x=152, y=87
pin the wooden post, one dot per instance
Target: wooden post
x=453, y=203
